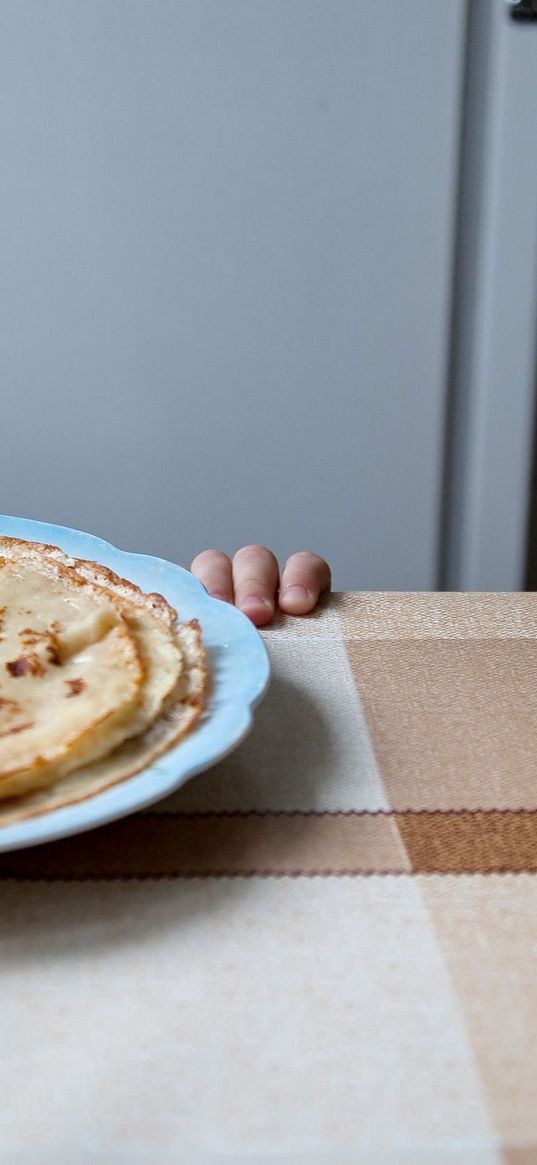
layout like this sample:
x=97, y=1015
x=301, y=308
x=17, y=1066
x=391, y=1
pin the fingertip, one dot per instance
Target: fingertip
x=213, y=570
x=308, y=571
x=297, y=600
x=259, y=610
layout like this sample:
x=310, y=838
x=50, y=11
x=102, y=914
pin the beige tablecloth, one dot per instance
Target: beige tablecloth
x=322, y=950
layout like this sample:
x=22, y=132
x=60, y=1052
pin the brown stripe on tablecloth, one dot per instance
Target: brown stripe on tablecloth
x=519, y=1154
x=436, y=614
x=154, y=845
x=453, y=723
x=226, y=844
x=470, y=842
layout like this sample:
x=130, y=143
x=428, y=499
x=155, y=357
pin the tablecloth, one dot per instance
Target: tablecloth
x=322, y=950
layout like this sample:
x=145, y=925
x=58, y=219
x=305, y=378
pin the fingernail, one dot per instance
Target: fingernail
x=296, y=592
x=249, y=600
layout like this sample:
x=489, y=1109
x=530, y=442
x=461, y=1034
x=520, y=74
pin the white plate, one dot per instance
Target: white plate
x=239, y=672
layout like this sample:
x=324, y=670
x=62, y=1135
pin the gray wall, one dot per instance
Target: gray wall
x=226, y=246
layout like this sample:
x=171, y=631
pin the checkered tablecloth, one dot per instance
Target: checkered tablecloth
x=323, y=950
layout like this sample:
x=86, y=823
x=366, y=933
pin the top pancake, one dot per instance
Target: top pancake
x=87, y=661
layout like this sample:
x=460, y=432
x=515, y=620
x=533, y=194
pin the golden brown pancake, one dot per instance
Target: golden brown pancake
x=143, y=678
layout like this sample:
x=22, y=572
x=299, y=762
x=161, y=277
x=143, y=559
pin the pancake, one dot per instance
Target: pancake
x=183, y=709
x=172, y=674
x=70, y=675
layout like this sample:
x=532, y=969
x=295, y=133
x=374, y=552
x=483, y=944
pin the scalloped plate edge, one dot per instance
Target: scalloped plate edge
x=240, y=675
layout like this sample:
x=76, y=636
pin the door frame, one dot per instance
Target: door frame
x=493, y=357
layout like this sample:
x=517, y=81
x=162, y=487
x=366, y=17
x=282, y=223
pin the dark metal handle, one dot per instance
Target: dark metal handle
x=523, y=9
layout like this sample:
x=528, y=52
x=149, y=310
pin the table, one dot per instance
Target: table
x=322, y=950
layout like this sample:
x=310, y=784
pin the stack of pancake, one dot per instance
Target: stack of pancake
x=97, y=679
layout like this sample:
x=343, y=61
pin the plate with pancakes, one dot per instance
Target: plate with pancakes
x=120, y=678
